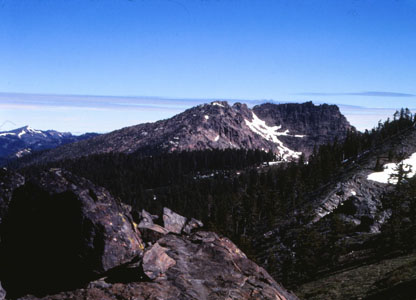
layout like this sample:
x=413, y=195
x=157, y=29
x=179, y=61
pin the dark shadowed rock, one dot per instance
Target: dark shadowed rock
x=172, y=221
x=62, y=230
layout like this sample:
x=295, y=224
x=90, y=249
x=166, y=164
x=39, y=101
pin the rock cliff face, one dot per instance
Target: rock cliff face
x=286, y=130
x=317, y=124
x=62, y=237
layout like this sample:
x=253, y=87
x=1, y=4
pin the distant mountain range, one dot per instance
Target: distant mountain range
x=25, y=140
x=288, y=130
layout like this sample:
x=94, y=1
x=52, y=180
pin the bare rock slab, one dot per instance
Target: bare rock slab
x=173, y=222
x=156, y=262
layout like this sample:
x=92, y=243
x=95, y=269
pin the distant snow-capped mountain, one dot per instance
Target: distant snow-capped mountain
x=25, y=140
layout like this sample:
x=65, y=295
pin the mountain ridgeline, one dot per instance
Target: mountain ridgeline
x=287, y=130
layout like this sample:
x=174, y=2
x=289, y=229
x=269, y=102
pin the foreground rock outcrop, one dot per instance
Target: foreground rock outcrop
x=60, y=231
x=203, y=266
x=62, y=237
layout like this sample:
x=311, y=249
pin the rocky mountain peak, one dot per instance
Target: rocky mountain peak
x=307, y=124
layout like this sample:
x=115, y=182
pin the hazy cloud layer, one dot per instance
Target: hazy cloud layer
x=106, y=113
x=43, y=101
x=367, y=93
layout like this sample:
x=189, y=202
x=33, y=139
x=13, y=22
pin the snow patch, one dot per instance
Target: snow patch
x=271, y=133
x=206, y=117
x=217, y=138
x=7, y=133
x=19, y=135
x=24, y=130
x=391, y=168
x=31, y=130
x=22, y=153
x=271, y=163
x=217, y=104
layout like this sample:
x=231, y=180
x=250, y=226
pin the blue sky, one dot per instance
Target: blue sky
x=154, y=58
